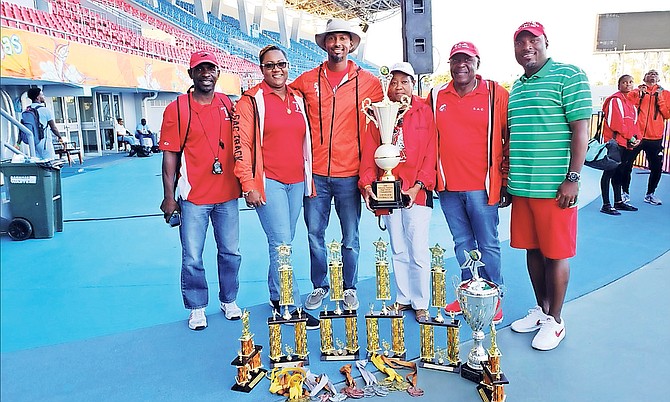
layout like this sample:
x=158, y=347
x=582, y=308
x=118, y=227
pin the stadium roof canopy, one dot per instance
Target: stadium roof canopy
x=366, y=10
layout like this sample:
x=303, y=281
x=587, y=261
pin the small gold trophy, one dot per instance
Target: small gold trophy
x=342, y=351
x=427, y=326
x=492, y=386
x=397, y=324
x=248, y=361
x=297, y=355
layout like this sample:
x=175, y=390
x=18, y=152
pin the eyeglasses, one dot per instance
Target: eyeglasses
x=271, y=66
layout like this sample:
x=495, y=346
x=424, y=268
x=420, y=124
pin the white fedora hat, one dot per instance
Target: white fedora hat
x=338, y=25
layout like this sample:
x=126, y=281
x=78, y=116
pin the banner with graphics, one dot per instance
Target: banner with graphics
x=34, y=56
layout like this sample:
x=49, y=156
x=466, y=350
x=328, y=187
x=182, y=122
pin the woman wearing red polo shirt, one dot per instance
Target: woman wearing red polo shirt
x=273, y=160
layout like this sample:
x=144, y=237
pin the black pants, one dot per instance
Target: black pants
x=617, y=176
x=653, y=150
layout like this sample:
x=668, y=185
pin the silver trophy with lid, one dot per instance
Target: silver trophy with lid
x=478, y=299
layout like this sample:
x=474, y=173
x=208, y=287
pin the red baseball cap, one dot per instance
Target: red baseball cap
x=464, y=47
x=203, y=56
x=533, y=27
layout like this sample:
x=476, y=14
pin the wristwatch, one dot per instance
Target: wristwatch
x=420, y=183
x=573, y=177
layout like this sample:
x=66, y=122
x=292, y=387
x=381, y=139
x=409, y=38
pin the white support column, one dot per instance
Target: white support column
x=200, y=12
x=217, y=8
x=242, y=16
x=283, y=27
x=295, y=29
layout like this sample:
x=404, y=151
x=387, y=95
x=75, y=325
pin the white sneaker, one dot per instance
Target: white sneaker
x=531, y=322
x=315, y=298
x=550, y=335
x=351, y=300
x=197, y=320
x=231, y=310
x=625, y=198
x=652, y=199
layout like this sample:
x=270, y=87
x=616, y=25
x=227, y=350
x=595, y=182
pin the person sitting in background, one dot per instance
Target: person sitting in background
x=123, y=136
x=142, y=131
x=273, y=161
x=621, y=124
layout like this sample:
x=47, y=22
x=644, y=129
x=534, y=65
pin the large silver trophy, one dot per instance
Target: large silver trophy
x=385, y=115
x=478, y=299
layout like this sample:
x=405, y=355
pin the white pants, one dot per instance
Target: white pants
x=408, y=233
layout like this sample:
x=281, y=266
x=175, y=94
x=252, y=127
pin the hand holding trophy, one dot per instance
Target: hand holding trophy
x=386, y=115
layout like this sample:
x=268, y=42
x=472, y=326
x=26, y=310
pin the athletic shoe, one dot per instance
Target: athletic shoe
x=315, y=298
x=531, y=322
x=275, y=305
x=312, y=322
x=422, y=315
x=652, y=199
x=624, y=206
x=231, y=311
x=351, y=300
x=453, y=307
x=197, y=320
x=609, y=210
x=625, y=197
x=550, y=335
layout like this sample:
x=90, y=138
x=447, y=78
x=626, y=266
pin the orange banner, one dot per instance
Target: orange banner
x=40, y=57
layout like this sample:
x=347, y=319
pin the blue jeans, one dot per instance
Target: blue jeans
x=474, y=225
x=317, y=213
x=141, y=138
x=278, y=217
x=193, y=230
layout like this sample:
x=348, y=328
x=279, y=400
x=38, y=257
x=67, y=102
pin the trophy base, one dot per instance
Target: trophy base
x=331, y=314
x=471, y=374
x=487, y=394
x=242, y=360
x=433, y=365
x=336, y=357
x=490, y=378
x=255, y=379
x=388, y=195
x=294, y=361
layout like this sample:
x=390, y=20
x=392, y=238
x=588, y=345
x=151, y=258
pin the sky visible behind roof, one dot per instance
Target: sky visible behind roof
x=570, y=26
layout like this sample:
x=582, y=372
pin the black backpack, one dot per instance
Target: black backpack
x=31, y=119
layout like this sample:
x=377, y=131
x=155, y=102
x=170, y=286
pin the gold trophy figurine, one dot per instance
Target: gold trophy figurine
x=382, y=273
x=295, y=356
x=248, y=361
x=285, y=279
x=336, y=277
x=492, y=386
x=439, y=285
x=341, y=351
x=429, y=359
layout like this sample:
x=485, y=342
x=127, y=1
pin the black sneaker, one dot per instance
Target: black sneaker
x=275, y=305
x=609, y=210
x=623, y=206
x=312, y=322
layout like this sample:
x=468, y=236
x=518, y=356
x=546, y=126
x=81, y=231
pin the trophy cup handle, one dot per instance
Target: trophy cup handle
x=366, y=108
x=455, y=281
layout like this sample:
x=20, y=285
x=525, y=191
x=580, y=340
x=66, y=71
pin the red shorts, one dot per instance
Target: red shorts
x=538, y=223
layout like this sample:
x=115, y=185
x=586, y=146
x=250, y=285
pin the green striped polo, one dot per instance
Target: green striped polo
x=540, y=109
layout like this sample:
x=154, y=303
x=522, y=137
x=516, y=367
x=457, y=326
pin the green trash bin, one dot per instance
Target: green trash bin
x=34, y=200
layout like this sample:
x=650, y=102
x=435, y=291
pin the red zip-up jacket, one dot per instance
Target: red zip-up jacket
x=336, y=122
x=620, y=119
x=652, y=108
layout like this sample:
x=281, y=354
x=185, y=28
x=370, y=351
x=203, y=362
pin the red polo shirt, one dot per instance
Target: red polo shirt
x=283, y=138
x=462, y=125
x=209, y=136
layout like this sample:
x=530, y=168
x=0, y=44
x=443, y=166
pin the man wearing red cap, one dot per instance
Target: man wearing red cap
x=471, y=118
x=197, y=145
x=549, y=113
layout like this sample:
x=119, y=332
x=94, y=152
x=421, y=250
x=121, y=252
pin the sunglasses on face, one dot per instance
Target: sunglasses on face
x=271, y=66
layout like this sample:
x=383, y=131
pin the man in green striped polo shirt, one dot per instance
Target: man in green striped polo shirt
x=548, y=116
